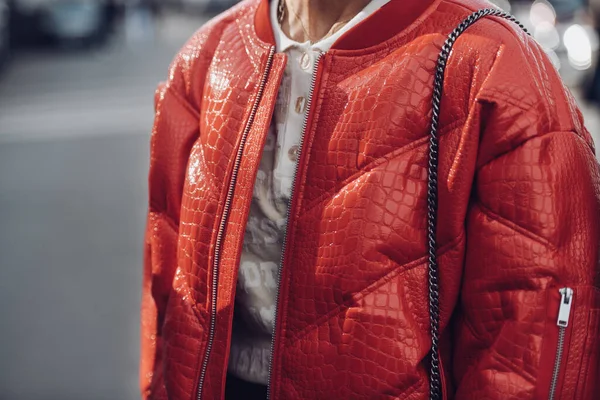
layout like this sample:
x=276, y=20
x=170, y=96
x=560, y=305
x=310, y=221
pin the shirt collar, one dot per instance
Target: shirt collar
x=284, y=43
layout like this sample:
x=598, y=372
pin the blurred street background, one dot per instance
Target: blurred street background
x=77, y=81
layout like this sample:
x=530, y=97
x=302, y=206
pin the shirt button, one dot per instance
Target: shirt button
x=305, y=61
x=294, y=152
x=300, y=104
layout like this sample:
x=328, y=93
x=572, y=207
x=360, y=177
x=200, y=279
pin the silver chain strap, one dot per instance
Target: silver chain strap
x=435, y=386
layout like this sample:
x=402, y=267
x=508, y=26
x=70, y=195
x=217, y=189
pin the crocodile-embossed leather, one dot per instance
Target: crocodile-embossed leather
x=519, y=214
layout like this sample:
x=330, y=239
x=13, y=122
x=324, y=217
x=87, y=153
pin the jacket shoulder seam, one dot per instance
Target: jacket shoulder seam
x=526, y=140
x=181, y=100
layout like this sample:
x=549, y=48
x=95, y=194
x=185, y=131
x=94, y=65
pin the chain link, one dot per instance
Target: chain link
x=435, y=386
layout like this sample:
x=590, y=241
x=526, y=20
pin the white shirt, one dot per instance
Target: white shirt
x=295, y=88
x=259, y=265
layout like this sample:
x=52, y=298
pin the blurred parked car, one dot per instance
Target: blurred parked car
x=68, y=21
x=212, y=6
x=4, y=31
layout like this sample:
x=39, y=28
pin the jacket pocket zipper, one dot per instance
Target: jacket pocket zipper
x=564, y=312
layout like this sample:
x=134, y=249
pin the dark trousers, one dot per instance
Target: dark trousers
x=239, y=389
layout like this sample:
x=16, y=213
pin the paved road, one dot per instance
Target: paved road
x=70, y=256
x=74, y=130
x=71, y=94
x=74, y=133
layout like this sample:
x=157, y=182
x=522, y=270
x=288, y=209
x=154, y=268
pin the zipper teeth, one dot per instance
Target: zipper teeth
x=564, y=312
x=313, y=83
x=557, y=362
x=222, y=225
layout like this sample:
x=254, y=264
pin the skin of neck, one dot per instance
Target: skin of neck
x=317, y=18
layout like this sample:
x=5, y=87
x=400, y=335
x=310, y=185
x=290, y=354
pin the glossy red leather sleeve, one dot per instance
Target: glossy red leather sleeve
x=175, y=129
x=533, y=228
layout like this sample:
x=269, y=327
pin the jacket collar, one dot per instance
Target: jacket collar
x=385, y=23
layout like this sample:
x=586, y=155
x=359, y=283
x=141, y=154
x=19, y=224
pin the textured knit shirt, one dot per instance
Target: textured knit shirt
x=265, y=231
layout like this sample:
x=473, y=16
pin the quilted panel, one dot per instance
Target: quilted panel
x=234, y=232
x=372, y=226
x=370, y=108
x=184, y=336
x=372, y=347
x=230, y=86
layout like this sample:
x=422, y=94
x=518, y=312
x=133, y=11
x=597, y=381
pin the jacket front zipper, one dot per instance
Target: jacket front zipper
x=225, y=217
x=564, y=312
x=313, y=83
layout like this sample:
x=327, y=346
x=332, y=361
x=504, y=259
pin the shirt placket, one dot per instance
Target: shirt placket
x=301, y=69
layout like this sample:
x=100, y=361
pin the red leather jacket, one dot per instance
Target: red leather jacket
x=519, y=214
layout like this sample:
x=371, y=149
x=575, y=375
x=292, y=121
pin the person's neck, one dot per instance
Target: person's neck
x=311, y=20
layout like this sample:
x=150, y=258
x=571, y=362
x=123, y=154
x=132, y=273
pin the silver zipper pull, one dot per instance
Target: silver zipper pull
x=564, y=311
